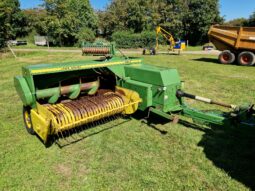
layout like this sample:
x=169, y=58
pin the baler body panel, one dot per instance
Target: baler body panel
x=143, y=89
x=23, y=90
x=156, y=86
x=78, y=65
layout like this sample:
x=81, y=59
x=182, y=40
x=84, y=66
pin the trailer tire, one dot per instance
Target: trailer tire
x=27, y=120
x=246, y=58
x=226, y=57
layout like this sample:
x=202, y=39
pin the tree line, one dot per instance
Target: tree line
x=67, y=22
x=243, y=21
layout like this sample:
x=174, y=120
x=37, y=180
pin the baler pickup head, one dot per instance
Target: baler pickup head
x=57, y=119
x=61, y=97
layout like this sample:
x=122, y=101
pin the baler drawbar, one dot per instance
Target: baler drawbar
x=61, y=97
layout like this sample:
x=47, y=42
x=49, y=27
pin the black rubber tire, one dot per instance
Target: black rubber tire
x=144, y=51
x=153, y=51
x=226, y=57
x=27, y=120
x=246, y=58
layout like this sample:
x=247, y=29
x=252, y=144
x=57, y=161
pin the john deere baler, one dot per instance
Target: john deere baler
x=61, y=97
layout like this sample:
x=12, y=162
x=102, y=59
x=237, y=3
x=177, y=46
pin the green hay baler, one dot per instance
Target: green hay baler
x=61, y=97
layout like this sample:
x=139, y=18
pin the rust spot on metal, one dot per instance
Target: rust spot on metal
x=86, y=109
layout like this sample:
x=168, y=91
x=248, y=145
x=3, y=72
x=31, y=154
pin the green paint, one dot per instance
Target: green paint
x=23, y=90
x=156, y=86
x=204, y=117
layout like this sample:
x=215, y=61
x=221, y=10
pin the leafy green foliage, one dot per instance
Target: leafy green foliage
x=186, y=19
x=236, y=22
x=200, y=16
x=13, y=22
x=65, y=19
x=251, y=20
x=85, y=34
x=36, y=17
x=128, y=39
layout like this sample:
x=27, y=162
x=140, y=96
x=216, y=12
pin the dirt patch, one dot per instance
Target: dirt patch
x=64, y=170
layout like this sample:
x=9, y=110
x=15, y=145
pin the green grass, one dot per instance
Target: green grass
x=33, y=46
x=194, y=48
x=188, y=48
x=131, y=155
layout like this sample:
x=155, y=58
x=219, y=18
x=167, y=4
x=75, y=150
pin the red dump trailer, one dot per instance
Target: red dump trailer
x=236, y=44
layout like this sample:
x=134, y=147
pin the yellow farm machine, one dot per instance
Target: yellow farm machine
x=60, y=98
x=173, y=45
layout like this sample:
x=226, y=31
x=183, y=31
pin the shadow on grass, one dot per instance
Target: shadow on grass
x=211, y=60
x=152, y=121
x=215, y=61
x=231, y=149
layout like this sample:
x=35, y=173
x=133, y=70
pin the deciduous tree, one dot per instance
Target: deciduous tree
x=65, y=19
x=188, y=19
x=13, y=22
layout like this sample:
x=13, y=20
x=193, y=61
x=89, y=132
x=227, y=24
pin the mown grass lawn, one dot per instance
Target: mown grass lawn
x=128, y=155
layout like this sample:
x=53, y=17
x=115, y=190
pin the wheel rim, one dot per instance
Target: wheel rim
x=27, y=120
x=225, y=57
x=246, y=59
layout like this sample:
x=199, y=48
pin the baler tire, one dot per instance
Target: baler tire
x=246, y=58
x=226, y=57
x=144, y=51
x=27, y=120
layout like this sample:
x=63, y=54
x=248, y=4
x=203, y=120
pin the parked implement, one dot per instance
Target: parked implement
x=98, y=49
x=173, y=45
x=59, y=98
x=236, y=44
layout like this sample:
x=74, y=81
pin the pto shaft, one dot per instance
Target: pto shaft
x=181, y=94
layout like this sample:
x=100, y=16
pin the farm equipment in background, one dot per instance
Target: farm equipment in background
x=41, y=40
x=17, y=42
x=236, y=44
x=208, y=47
x=98, y=49
x=174, y=45
x=59, y=99
x=150, y=51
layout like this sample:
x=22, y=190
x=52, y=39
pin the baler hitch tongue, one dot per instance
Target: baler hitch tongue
x=242, y=114
x=181, y=94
